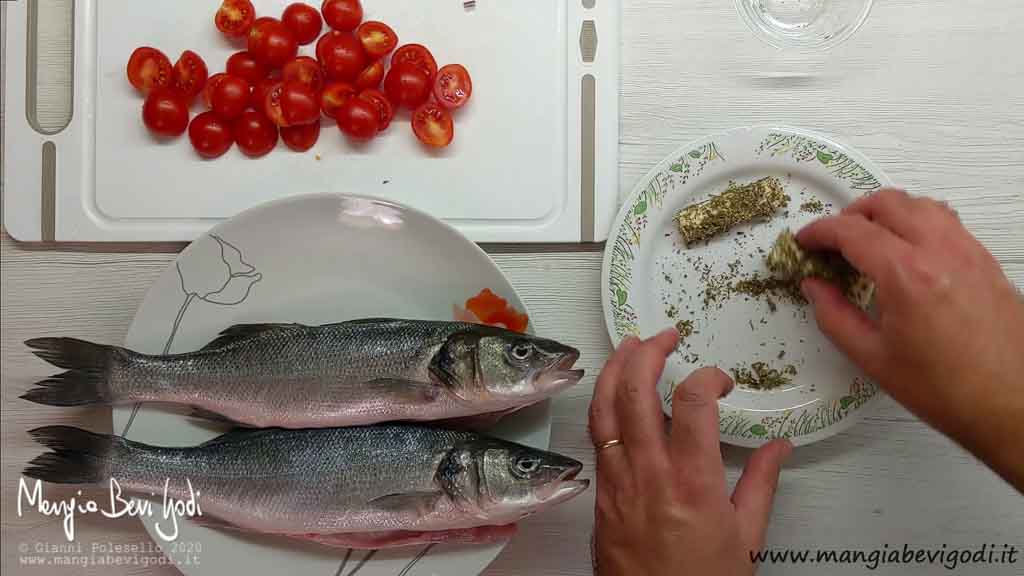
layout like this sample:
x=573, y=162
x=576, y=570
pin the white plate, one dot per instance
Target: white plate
x=313, y=260
x=651, y=280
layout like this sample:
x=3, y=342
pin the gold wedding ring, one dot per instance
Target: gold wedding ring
x=608, y=444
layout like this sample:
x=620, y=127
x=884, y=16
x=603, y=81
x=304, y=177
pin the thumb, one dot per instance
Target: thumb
x=755, y=490
x=847, y=326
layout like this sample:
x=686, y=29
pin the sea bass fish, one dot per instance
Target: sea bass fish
x=372, y=486
x=296, y=376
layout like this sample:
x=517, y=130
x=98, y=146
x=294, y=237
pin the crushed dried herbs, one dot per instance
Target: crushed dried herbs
x=791, y=264
x=737, y=205
x=759, y=376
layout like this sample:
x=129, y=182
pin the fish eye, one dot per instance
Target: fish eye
x=521, y=351
x=527, y=465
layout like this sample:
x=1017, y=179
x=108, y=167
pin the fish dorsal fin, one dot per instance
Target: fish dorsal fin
x=240, y=332
x=422, y=502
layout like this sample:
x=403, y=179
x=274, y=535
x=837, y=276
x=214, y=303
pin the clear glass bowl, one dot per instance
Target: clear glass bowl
x=804, y=24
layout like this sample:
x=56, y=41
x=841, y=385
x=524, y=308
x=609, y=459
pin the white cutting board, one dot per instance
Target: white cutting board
x=532, y=161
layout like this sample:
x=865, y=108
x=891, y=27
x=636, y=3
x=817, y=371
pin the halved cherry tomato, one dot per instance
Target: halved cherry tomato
x=407, y=85
x=334, y=96
x=190, y=75
x=371, y=76
x=299, y=104
x=453, y=86
x=272, y=104
x=418, y=55
x=301, y=138
x=378, y=38
x=210, y=85
x=433, y=125
x=385, y=110
x=235, y=17
x=304, y=21
x=305, y=70
x=149, y=68
x=342, y=14
x=247, y=67
x=230, y=97
x=259, y=93
x=271, y=42
x=341, y=56
x=359, y=119
x=165, y=112
x=210, y=135
x=254, y=133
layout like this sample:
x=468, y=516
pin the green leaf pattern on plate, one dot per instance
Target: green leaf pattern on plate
x=803, y=149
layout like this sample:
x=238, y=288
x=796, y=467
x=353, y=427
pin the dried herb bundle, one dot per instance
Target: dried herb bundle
x=738, y=204
x=791, y=264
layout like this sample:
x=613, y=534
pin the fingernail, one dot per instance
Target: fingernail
x=788, y=450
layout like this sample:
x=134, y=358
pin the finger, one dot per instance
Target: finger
x=638, y=406
x=846, y=325
x=755, y=490
x=611, y=462
x=695, y=440
x=870, y=247
x=895, y=210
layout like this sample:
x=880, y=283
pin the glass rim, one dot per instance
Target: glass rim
x=785, y=42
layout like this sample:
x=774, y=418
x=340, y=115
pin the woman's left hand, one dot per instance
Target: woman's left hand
x=663, y=506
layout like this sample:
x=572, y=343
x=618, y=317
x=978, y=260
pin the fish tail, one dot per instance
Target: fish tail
x=86, y=380
x=77, y=456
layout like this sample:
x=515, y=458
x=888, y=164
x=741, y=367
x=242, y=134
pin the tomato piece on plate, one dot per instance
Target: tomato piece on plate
x=299, y=104
x=235, y=17
x=271, y=42
x=165, y=113
x=371, y=76
x=342, y=15
x=301, y=138
x=378, y=38
x=453, y=86
x=254, y=133
x=385, y=110
x=359, y=119
x=305, y=70
x=433, y=125
x=210, y=135
x=334, y=96
x=341, y=56
x=149, y=68
x=247, y=67
x=304, y=21
x=416, y=54
x=230, y=97
x=407, y=85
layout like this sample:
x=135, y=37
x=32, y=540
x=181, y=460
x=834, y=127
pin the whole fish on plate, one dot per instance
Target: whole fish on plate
x=296, y=376
x=364, y=487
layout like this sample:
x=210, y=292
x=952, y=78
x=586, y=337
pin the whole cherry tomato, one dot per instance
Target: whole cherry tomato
x=407, y=85
x=254, y=133
x=304, y=21
x=210, y=135
x=165, y=113
x=341, y=56
x=247, y=67
x=230, y=97
x=301, y=138
x=271, y=42
x=359, y=119
x=342, y=15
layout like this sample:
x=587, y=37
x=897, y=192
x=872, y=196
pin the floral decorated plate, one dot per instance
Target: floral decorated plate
x=315, y=260
x=791, y=381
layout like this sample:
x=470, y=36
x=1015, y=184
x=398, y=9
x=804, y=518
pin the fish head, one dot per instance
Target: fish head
x=520, y=369
x=505, y=482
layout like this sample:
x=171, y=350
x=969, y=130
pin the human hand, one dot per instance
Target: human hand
x=663, y=506
x=948, y=337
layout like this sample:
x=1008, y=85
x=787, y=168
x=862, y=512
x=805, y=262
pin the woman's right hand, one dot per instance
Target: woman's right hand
x=948, y=338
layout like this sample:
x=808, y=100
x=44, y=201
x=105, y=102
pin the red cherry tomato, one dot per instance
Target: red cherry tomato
x=254, y=133
x=230, y=97
x=235, y=17
x=418, y=55
x=190, y=75
x=271, y=42
x=210, y=85
x=453, y=86
x=301, y=138
x=272, y=104
x=407, y=85
x=334, y=96
x=359, y=119
x=257, y=101
x=210, y=135
x=342, y=14
x=165, y=113
x=433, y=125
x=299, y=104
x=304, y=21
x=385, y=111
x=341, y=56
x=378, y=38
x=247, y=67
x=371, y=76
x=305, y=70
x=148, y=68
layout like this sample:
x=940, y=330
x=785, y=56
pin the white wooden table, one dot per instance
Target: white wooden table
x=933, y=92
